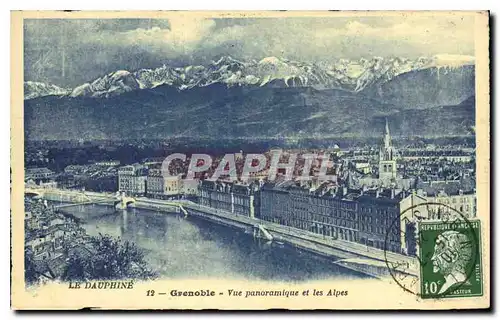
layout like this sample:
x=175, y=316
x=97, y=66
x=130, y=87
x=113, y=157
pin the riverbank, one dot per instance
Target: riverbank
x=357, y=257
x=370, y=261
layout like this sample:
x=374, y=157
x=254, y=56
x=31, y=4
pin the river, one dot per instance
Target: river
x=179, y=247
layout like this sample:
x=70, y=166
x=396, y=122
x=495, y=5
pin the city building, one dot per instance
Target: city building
x=215, y=194
x=159, y=186
x=189, y=187
x=132, y=179
x=274, y=206
x=49, y=238
x=41, y=183
x=458, y=195
x=154, y=161
x=378, y=218
x=67, y=181
x=463, y=202
x=99, y=176
x=74, y=169
x=38, y=173
x=457, y=156
x=108, y=163
x=228, y=196
x=329, y=212
x=45, y=233
x=243, y=200
x=47, y=184
x=362, y=167
x=387, y=219
x=155, y=183
x=173, y=185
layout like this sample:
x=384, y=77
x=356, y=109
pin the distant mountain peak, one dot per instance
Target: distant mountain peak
x=226, y=59
x=271, y=60
x=350, y=75
x=33, y=89
x=120, y=73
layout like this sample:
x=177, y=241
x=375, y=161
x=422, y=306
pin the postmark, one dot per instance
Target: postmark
x=442, y=258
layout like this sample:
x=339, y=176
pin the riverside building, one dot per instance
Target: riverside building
x=229, y=196
x=378, y=218
x=132, y=179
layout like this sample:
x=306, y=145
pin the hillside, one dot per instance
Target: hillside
x=426, y=88
x=217, y=111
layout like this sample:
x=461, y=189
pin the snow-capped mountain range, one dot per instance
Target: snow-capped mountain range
x=351, y=75
x=39, y=89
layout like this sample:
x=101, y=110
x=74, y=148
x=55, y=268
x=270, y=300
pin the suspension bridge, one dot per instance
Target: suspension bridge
x=70, y=198
x=119, y=200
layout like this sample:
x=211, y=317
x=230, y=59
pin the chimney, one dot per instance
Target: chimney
x=324, y=191
x=393, y=193
x=336, y=189
x=364, y=188
x=344, y=191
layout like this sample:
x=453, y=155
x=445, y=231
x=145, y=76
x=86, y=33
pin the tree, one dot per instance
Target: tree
x=76, y=267
x=111, y=259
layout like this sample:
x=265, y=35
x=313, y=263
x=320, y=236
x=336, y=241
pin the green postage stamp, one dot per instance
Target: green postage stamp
x=450, y=259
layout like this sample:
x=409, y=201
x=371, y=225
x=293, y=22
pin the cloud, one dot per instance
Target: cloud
x=325, y=39
x=92, y=47
x=409, y=37
x=181, y=32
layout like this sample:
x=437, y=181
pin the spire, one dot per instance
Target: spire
x=387, y=136
x=387, y=164
x=386, y=150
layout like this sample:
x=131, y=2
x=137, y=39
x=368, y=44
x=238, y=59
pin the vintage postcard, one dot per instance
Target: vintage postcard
x=250, y=160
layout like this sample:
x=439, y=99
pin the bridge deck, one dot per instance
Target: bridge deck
x=85, y=203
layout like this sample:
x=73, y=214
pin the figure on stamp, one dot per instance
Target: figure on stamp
x=452, y=254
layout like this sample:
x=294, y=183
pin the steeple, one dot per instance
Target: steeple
x=386, y=150
x=387, y=136
x=387, y=164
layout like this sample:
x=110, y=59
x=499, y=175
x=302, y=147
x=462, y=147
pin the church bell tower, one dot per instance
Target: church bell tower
x=387, y=163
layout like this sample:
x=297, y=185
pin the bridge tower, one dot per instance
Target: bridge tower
x=123, y=202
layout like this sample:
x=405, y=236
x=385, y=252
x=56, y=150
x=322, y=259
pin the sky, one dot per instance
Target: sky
x=69, y=52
